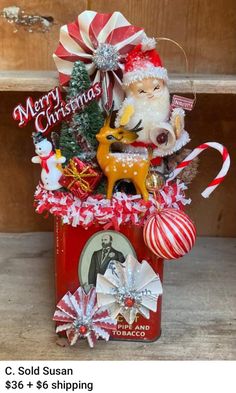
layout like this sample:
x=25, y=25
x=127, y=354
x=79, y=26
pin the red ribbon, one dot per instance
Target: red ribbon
x=143, y=144
x=44, y=164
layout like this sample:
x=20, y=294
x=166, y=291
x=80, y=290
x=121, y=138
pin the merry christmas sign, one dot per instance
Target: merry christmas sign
x=50, y=109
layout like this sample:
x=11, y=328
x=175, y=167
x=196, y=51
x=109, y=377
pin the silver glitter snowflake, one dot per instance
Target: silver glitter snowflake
x=130, y=288
x=106, y=57
x=128, y=298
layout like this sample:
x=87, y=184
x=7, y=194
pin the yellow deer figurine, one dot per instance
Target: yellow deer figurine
x=118, y=166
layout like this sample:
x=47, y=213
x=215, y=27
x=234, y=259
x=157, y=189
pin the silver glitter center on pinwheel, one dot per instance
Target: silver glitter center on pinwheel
x=87, y=323
x=122, y=293
x=106, y=57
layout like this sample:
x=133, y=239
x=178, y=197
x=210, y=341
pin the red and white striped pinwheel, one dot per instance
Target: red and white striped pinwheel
x=101, y=41
x=82, y=318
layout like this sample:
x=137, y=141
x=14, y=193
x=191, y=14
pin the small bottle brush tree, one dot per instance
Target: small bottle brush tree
x=78, y=135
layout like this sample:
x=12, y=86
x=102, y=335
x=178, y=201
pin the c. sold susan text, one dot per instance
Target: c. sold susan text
x=39, y=371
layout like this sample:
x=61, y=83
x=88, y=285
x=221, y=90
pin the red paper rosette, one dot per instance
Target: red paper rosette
x=80, y=317
x=101, y=41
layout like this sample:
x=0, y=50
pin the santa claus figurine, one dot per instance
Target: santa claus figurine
x=148, y=99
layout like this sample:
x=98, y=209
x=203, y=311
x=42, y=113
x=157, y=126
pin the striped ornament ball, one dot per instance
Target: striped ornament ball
x=169, y=233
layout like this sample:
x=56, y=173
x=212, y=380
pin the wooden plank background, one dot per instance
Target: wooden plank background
x=206, y=29
x=178, y=83
x=207, y=32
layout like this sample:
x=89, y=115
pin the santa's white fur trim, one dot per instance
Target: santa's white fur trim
x=148, y=44
x=149, y=72
x=182, y=141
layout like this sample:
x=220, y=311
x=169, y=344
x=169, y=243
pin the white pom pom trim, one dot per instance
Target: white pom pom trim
x=148, y=44
x=140, y=74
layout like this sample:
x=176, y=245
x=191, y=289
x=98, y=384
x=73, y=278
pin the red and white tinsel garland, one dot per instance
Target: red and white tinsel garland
x=96, y=209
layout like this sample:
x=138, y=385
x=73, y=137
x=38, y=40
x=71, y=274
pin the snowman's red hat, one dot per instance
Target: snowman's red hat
x=144, y=62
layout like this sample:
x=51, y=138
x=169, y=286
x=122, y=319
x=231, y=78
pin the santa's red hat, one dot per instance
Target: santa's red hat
x=143, y=62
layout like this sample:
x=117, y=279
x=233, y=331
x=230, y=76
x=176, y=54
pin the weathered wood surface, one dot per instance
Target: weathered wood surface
x=206, y=29
x=33, y=51
x=199, y=310
x=46, y=80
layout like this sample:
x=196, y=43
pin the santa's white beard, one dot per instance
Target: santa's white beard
x=151, y=112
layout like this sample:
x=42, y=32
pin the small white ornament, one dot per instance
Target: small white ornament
x=49, y=161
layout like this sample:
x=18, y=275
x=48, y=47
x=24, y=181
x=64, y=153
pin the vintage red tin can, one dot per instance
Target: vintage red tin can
x=75, y=248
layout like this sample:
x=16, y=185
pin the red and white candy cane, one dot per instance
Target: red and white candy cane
x=221, y=175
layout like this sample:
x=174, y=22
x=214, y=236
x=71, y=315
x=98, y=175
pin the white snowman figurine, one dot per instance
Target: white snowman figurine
x=49, y=161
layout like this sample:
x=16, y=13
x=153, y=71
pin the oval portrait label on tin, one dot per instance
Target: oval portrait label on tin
x=99, y=254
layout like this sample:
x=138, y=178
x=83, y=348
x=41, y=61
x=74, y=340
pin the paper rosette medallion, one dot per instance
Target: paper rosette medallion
x=169, y=233
x=101, y=42
x=129, y=288
x=82, y=318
